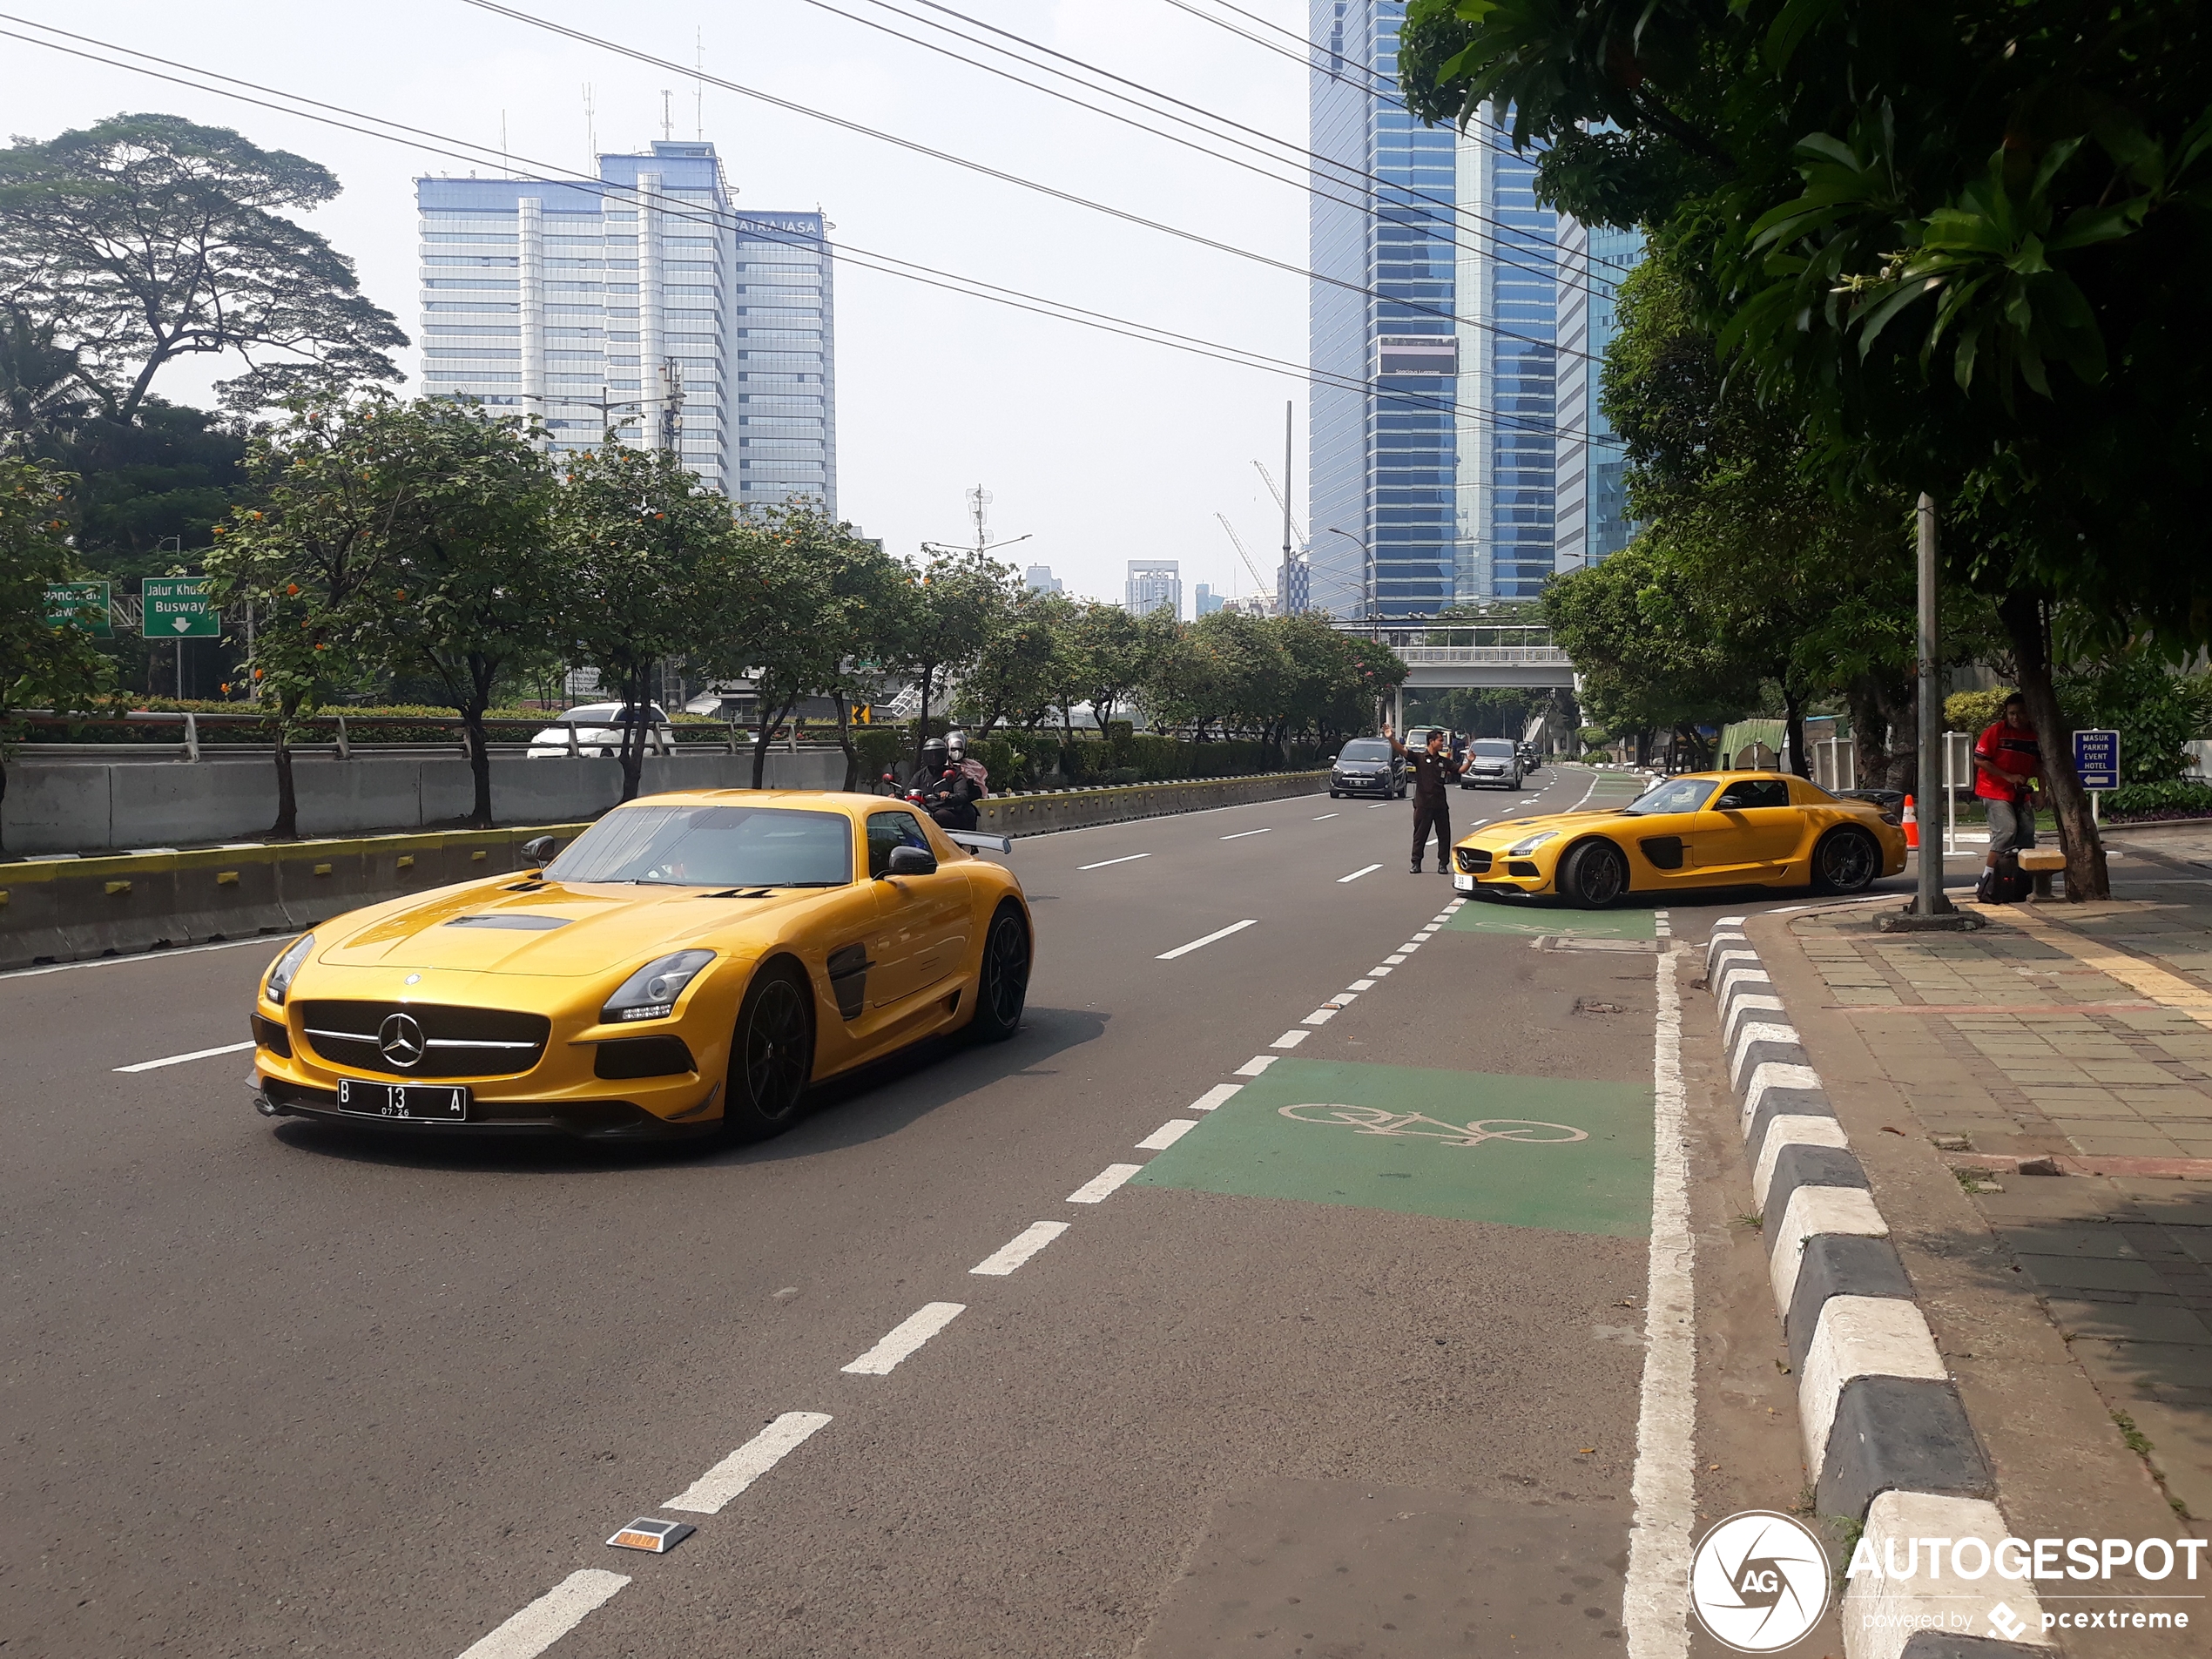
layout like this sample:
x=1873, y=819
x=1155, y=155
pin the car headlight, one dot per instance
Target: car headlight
x=650, y=993
x=287, y=969
x=1522, y=848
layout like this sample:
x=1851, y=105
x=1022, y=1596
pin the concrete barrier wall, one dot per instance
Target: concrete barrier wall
x=64, y=909
x=86, y=807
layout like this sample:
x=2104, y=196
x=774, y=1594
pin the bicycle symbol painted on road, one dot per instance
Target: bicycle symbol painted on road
x=1373, y=1120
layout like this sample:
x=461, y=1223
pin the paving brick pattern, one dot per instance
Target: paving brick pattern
x=2008, y=1039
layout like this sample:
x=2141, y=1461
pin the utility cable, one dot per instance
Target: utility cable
x=890, y=265
x=638, y=55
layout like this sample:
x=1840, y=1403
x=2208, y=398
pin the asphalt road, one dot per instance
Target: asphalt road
x=1330, y=1375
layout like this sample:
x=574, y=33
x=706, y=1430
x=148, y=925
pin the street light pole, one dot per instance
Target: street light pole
x=1366, y=570
x=1929, y=908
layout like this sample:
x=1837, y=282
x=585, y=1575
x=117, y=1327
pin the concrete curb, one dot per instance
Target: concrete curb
x=1886, y=1438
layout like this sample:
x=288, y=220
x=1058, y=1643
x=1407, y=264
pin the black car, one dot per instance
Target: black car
x=1367, y=766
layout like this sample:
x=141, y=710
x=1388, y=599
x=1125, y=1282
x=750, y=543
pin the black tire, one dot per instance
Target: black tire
x=772, y=1055
x=1002, y=981
x=1594, y=874
x=1334, y=796
x=1845, y=860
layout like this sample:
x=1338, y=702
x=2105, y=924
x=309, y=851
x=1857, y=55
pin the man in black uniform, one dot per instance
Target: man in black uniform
x=1434, y=770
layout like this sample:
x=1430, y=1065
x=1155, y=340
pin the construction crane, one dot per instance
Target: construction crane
x=1269, y=478
x=1236, y=540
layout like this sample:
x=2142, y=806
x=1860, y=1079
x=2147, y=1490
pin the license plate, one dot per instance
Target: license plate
x=438, y=1102
x=1464, y=883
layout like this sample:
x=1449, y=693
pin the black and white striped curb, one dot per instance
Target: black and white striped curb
x=1885, y=1435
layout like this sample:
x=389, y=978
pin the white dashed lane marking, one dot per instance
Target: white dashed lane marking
x=905, y=1337
x=1127, y=858
x=1326, y=816
x=1168, y=1133
x=1362, y=985
x=1101, y=1186
x=1018, y=1249
x=545, y=1621
x=1220, y=1094
x=1319, y=1017
x=1257, y=1064
x=709, y=1493
x=1393, y=960
x=180, y=1059
x=1195, y=944
x=1240, y=834
x=1356, y=874
x=1290, y=1039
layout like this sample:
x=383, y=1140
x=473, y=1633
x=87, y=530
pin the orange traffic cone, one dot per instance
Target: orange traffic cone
x=1911, y=824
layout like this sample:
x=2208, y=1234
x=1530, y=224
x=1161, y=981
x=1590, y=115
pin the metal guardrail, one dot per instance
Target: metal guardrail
x=346, y=735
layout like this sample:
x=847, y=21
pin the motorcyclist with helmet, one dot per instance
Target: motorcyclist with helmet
x=949, y=782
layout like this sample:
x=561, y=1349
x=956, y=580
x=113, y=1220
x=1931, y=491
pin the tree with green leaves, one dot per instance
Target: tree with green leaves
x=1013, y=674
x=647, y=550
x=1107, y=658
x=45, y=661
x=944, y=618
x=127, y=245
x=1958, y=238
x=331, y=486
x=469, y=589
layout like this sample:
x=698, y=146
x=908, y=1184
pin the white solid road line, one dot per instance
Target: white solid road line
x=273, y=941
x=719, y=1485
x=180, y=1059
x=545, y=1621
x=904, y=1338
x=1325, y=816
x=1101, y=1186
x=1126, y=857
x=1664, y=1486
x=1018, y=1249
x=1167, y=1135
x=1185, y=950
x=1221, y=1094
x=1240, y=834
x=1356, y=874
x=1290, y=1039
x=1257, y=1064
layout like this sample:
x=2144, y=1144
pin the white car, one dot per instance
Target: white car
x=598, y=731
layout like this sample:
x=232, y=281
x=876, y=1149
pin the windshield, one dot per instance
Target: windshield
x=711, y=846
x=1365, y=748
x=1675, y=795
x=1498, y=748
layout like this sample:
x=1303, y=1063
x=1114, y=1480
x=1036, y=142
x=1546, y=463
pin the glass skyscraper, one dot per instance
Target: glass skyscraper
x=1593, y=468
x=1432, y=485
x=645, y=303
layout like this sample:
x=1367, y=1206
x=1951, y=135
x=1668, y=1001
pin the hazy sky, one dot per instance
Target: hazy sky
x=1103, y=449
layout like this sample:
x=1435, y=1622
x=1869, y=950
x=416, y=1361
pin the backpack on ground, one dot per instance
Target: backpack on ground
x=2003, y=882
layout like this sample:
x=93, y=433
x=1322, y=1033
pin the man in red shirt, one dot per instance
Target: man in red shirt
x=2008, y=763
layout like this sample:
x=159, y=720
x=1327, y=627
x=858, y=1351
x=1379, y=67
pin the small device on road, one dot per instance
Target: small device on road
x=654, y=1537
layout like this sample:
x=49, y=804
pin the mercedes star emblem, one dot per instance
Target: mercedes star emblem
x=399, y=1039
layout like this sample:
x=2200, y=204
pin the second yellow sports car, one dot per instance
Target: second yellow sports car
x=1713, y=829
x=688, y=965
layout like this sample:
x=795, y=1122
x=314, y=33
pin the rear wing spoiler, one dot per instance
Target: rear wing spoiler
x=975, y=843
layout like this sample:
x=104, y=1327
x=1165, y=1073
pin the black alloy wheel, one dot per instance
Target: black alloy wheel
x=1846, y=861
x=772, y=1055
x=1594, y=874
x=1003, y=985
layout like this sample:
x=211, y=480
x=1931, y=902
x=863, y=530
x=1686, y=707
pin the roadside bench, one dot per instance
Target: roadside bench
x=2042, y=863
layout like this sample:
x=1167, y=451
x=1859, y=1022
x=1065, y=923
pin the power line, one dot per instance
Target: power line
x=638, y=56
x=890, y=265
x=1356, y=177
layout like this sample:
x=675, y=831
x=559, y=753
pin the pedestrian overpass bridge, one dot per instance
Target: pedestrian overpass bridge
x=1442, y=656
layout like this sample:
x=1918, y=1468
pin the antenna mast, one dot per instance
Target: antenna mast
x=667, y=113
x=590, y=128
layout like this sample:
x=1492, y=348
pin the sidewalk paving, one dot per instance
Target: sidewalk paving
x=2083, y=1035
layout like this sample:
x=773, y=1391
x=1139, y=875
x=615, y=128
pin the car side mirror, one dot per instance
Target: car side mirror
x=540, y=849
x=912, y=861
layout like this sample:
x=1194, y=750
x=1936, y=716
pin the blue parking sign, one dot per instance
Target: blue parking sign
x=2096, y=757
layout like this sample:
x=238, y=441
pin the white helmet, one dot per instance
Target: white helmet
x=956, y=745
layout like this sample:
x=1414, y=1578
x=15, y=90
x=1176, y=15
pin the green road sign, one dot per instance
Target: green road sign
x=84, y=604
x=177, y=607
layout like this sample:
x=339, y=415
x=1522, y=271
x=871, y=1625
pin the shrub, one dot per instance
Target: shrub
x=2175, y=798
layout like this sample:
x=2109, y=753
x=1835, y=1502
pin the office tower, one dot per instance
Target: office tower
x=1294, y=586
x=1593, y=467
x=643, y=302
x=1039, y=578
x=1154, y=585
x=1204, y=600
x=1432, y=485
